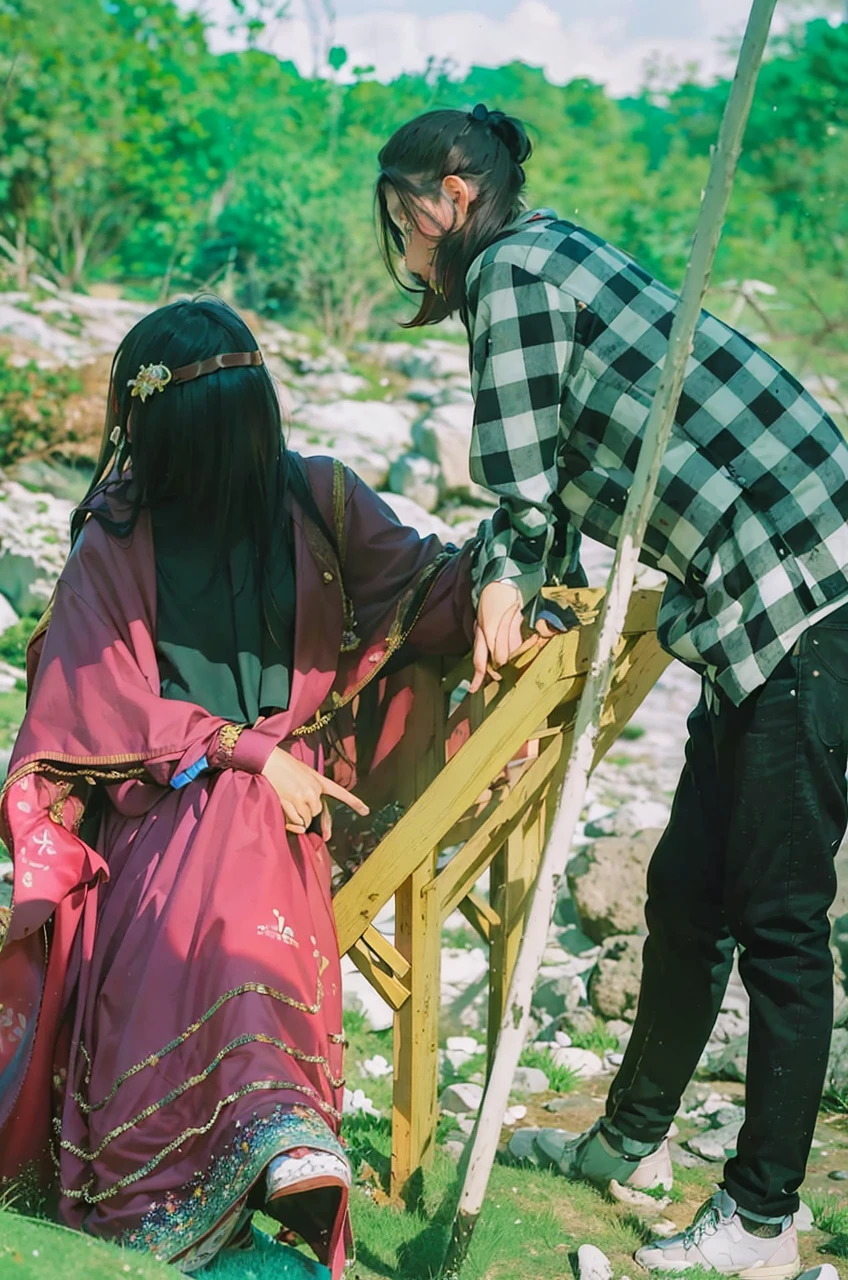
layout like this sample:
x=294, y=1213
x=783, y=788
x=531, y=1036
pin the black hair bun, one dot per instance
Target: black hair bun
x=508, y=129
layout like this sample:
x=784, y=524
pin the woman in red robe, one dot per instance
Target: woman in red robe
x=171, y=1043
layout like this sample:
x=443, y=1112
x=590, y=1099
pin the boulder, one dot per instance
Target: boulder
x=461, y=1099
x=630, y=818
x=614, y=986
x=444, y=437
x=416, y=477
x=716, y=1145
x=384, y=426
x=558, y=994
x=582, y=1062
x=424, y=522
x=529, y=1080
x=607, y=884
x=728, y=1061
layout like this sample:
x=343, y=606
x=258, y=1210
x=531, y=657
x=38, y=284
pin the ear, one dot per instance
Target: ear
x=460, y=194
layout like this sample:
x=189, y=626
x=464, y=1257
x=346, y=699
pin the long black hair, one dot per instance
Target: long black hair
x=213, y=445
x=486, y=148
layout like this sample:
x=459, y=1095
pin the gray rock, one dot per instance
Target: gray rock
x=716, y=1144
x=729, y=1026
x=727, y=1116
x=558, y=995
x=630, y=818
x=607, y=884
x=729, y=1061
x=444, y=437
x=346, y=425
x=580, y=1022
x=685, y=1159
x=530, y=1080
x=461, y=1099
x=582, y=1062
x=417, y=478
x=838, y=1175
x=614, y=986
x=803, y=1219
x=454, y=1147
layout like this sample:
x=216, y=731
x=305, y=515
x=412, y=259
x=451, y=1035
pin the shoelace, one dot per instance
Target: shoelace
x=704, y=1225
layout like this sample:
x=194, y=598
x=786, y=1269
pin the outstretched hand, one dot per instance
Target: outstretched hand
x=303, y=792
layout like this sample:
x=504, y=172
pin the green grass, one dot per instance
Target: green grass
x=598, y=1039
x=560, y=1079
x=834, y=1101
x=631, y=732
x=12, y=707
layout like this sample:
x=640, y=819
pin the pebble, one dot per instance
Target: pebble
x=592, y=1264
x=838, y=1175
x=512, y=1115
x=582, y=1062
x=664, y=1228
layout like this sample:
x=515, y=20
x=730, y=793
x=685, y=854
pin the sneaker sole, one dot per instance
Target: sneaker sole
x=787, y=1272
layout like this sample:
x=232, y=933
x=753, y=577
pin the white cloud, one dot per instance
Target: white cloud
x=562, y=40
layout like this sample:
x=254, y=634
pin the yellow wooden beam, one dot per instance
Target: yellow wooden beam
x=480, y=915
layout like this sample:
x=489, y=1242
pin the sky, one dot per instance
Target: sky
x=610, y=41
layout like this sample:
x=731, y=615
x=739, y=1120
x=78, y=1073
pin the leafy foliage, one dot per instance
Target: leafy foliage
x=31, y=406
x=129, y=150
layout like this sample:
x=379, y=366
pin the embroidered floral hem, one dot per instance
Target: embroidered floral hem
x=190, y=1228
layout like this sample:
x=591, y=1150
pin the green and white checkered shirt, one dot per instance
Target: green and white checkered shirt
x=568, y=337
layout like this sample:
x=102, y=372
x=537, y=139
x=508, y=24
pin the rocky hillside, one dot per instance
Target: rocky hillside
x=400, y=414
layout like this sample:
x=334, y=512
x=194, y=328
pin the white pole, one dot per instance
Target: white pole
x=484, y=1140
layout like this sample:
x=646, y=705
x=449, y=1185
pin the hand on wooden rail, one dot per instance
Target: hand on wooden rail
x=500, y=636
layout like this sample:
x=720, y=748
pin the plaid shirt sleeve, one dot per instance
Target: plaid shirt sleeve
x=522, y=335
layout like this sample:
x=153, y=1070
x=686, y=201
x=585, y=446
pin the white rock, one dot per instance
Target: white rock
x=386, y=427
x=409, y=513
x=562, y=1039
x=459, y=1099
x=664, y=1228
x=34, y=537
x=416, y=477
x=630, y=818
x=582, y=1062
x=360, y=997
x=464, y=1044
x=529, y=1080
x=376, y=1067
x=465, y=1124
x=512, y=1115
x=8, y=617
x=804, y=1218
x=444, y=436
x=356, y=1103
x=592, y=1264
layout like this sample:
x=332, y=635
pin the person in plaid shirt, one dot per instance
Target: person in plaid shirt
x=750, y=524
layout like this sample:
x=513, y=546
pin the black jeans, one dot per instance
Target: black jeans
x=748, y=859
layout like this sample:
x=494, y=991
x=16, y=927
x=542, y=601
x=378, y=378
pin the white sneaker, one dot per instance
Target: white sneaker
x=717, y=1241
x=305, y=1169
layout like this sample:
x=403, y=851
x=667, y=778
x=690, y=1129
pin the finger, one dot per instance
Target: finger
x=294, y=822
x=501, y=650
x=545, y=631
x=333, y=789
x=515, y=633
x=532, y=642
x=480, y=659
x=326, y=822
x=493, y=674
